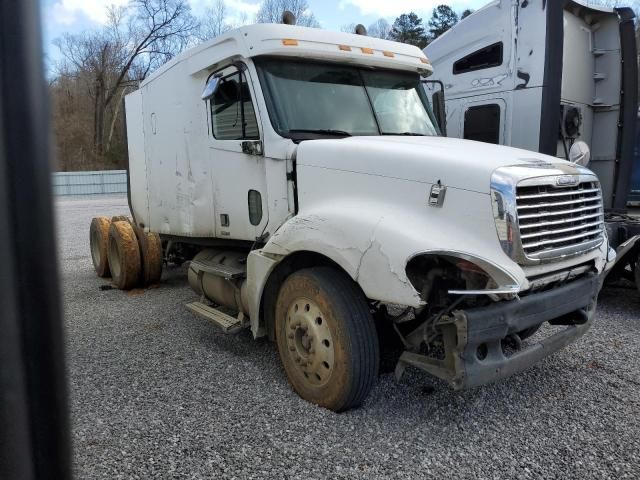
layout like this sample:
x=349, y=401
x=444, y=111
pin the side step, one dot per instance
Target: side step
x=227, y=323
x=228, y=272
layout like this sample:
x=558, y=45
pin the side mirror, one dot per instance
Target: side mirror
x=211, y=88
x=436, y=89
x=580, y=153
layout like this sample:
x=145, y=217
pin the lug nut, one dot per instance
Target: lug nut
x=292, y=348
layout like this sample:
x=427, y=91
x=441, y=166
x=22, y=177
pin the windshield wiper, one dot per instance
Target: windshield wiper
x=320, y=131
x=412, y=134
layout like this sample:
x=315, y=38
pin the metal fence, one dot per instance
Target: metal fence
x=90, y=183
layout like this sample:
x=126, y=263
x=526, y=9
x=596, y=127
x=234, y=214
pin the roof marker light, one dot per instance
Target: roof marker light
x=388, y=54
x=344, y=48
x=424, y=60
x=290, y=42
x=368, y=51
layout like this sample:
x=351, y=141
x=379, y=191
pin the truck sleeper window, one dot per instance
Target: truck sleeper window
x=486, y=57
x=232, y=113
x=327, y=98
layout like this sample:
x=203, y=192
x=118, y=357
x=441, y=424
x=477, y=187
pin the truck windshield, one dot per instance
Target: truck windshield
x=313, y=100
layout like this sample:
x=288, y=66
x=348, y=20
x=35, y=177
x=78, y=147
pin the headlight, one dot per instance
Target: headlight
x=503, y=203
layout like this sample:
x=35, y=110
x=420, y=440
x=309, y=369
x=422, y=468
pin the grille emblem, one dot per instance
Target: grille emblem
x=567, y=181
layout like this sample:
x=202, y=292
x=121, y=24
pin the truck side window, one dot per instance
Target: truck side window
x=486, y=57
x=232, y=113
x=482, y=123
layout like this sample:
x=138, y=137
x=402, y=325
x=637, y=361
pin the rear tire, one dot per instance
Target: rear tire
x=120, y=218
x=151, y=256
x=124, y=255
x=98, y=243
x=326, y=338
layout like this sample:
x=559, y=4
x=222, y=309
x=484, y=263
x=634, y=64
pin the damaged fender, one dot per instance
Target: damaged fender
x=373, y=244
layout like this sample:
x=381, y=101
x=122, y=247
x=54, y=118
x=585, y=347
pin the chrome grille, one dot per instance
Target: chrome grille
x=558, y=220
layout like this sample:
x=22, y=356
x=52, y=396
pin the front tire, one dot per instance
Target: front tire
x=326, y=338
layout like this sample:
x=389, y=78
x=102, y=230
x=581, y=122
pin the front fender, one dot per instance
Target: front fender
x=373, y=241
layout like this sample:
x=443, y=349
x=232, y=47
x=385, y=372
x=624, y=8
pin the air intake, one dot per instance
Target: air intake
x=288, y=18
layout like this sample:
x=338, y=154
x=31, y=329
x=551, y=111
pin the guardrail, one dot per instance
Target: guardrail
x=90, y=183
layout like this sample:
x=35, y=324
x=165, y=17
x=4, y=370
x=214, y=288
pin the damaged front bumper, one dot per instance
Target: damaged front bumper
x=474, y=339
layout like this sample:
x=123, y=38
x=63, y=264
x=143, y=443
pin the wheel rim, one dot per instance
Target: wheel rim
x=95, y=247
x=114, y=259
x=309, y=341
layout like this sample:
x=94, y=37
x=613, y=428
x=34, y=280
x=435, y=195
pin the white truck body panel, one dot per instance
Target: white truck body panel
x=282, y=160
x=590, y=77
x=343, y=216
x=189, y=182
x=362, y=202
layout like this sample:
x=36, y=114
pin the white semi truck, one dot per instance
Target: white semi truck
x=555, y=77
x=302, y=174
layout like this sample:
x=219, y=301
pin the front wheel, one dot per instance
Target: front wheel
x=326, y=338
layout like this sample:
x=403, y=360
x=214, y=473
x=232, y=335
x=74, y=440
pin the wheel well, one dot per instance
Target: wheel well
x=292, y=263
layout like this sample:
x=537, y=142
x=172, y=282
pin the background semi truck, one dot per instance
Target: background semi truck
x=302, y=175
x=558, y=78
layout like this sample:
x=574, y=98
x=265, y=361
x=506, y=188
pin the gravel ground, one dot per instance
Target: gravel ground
x=159, y=393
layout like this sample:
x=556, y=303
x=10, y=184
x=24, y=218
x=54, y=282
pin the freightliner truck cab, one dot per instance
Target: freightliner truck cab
x=303, y=176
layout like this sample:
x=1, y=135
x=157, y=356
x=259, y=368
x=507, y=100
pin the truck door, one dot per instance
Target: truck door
x=237, y=164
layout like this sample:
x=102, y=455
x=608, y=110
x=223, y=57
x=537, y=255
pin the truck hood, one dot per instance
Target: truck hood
x=463, y=164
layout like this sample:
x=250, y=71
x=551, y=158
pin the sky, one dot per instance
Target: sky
x=75, y=16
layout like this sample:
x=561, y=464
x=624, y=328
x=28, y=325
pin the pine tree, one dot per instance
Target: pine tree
x=408, y=28
x=465, y=13
x=442, y=19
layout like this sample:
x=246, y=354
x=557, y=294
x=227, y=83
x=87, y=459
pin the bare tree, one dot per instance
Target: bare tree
x=271, y=12
x=214, y=22
x=243, y=19
x=348, y=28
x=379, y=29
x=137, y=39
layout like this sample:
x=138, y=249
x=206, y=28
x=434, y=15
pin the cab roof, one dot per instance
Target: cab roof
x=294, y=41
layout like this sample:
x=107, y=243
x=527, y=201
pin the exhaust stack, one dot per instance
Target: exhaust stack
x=288, y=18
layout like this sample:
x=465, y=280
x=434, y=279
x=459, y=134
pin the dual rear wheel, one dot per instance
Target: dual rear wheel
x=131, y=256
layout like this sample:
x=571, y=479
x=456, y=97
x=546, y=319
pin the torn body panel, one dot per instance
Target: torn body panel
x=343, y=217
